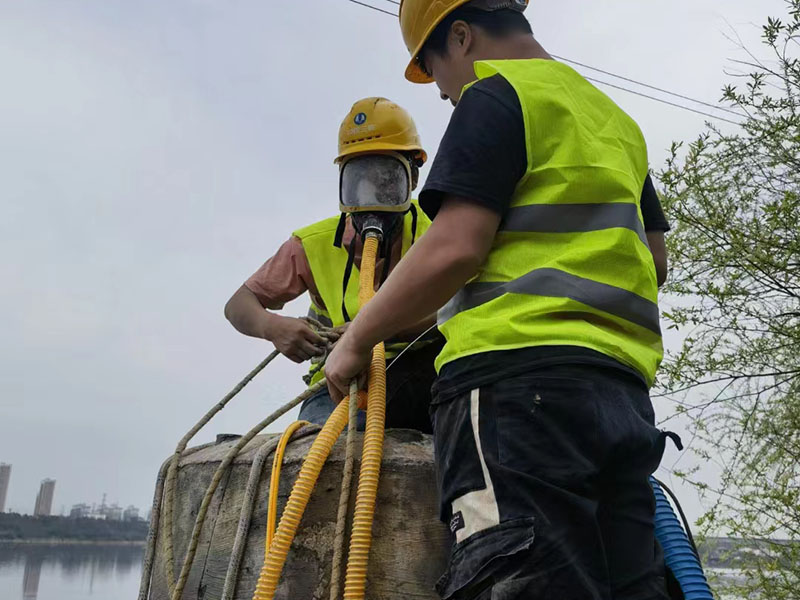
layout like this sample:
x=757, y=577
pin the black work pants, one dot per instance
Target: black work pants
x=544, y=483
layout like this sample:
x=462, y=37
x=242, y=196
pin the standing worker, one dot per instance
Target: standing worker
x=379, y=159
x=543, y=259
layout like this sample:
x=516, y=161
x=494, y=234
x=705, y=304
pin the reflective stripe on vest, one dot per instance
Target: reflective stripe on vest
x=328, y=263
x=570, y=263
x=566, y=218
x=558, y=284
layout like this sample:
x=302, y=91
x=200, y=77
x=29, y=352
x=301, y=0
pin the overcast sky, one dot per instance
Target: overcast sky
x=154, y=154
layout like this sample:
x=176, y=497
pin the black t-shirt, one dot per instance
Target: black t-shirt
x=481, y=158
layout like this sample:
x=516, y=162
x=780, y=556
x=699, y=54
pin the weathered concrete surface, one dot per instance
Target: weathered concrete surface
x=410, y=545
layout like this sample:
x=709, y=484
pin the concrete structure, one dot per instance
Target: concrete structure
x=410, y=545
x=5, y=477
x=44, y=499
x=131, y=514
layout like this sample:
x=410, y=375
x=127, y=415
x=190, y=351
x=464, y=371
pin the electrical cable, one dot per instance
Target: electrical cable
x=622, y=77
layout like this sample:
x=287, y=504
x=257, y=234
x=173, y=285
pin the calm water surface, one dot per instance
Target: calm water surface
x=69, y=572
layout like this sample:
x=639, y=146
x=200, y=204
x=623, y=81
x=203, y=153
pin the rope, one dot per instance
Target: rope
x=331, y=336
x=165, y=483
x=344, y=495
x=150, y=551
x=172, y=471
x=215, y=481
x=245, y=517
x=152, y=534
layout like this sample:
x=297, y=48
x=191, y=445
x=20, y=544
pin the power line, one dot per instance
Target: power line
x=619, y=87
x=386, y=12
x=675, y=104
x=652, y=87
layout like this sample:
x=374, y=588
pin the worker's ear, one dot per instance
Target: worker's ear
x=460, y=38
x=414, y=177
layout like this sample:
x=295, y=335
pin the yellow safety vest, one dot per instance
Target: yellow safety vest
x=328, y=265
x=570, y=264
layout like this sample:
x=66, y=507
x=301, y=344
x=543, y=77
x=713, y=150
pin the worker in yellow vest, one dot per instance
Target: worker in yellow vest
x=379, y=159
x=543, y=259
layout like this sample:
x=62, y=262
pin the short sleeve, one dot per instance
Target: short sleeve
x=284, y=277
x=482, y=155
x=652, y=213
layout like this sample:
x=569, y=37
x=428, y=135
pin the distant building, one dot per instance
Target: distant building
x=131, y=514
x=44, y=499
x=80, y=511
x=5, y=477
x=114, y=513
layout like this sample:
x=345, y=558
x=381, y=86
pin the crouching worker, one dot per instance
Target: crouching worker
x=379, y=159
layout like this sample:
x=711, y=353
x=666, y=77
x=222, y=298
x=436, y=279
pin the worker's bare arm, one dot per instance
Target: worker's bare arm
x=436, y=267
x=658, y=249
x=292, y=337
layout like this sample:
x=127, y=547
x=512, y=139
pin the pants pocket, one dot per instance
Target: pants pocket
x=468, y=502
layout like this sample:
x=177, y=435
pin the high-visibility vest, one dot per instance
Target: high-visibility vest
x=328, y=264
x=570, y=264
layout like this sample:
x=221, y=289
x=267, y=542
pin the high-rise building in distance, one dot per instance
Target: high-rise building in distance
x=44, y=499
x=5, y=477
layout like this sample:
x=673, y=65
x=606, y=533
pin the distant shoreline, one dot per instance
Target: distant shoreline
x=43, y=531
x=70, y=542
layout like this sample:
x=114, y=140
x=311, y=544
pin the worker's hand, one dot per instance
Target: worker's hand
x=345, y=362
x=294, y=338
x=341, y=329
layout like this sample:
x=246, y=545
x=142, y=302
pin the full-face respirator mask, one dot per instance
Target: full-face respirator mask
x=375, y=192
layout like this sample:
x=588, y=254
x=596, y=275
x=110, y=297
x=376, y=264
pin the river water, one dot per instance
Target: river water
x=112, y=572
x=69, y=572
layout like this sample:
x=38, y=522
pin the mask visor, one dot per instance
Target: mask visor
x=375, y=183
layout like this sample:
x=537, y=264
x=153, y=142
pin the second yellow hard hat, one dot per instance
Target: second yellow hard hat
x=375, y=125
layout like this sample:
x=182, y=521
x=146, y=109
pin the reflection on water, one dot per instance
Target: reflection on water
x=30, y=580
x=69, y=572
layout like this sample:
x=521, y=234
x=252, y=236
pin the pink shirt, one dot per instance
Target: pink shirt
x=287, y=274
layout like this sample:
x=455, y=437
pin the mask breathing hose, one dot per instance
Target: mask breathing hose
x=361, y=537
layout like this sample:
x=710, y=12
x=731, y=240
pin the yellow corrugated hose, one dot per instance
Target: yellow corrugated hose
x=275, y=478
x=296, y=505
x=361, y=537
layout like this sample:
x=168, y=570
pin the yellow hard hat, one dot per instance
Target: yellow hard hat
x=378, y=125
x=418, y=19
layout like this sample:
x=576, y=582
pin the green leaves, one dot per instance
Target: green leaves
x=734, y=291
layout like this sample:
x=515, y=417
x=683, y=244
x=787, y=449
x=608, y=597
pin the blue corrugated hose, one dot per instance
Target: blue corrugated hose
x=679, y=553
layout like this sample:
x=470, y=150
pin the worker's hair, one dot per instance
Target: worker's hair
x=496, y=23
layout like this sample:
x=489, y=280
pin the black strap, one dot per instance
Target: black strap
x=387, y=251
x=413, y=224
x=351, y=259
x=337, y=241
